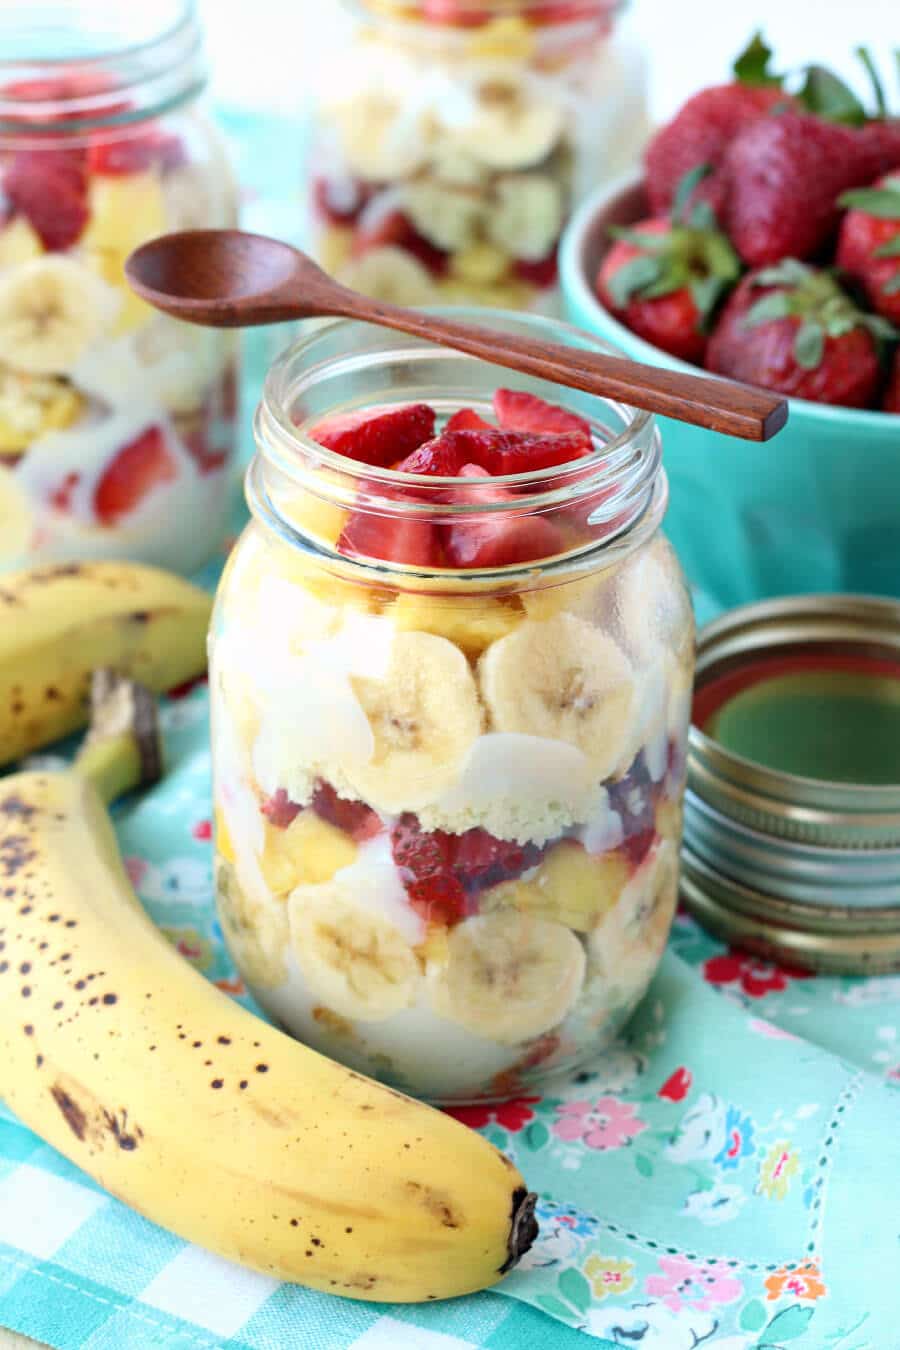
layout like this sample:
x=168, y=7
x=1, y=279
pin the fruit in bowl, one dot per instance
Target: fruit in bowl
x=771, y=248
x=815, y=510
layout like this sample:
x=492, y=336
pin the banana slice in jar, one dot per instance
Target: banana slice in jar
x=564, y=679
x=424, y=714
x=448, y=217
x=651, y=604
x=626, y=947
x=51, y=310
x=508, y=977
x=379, y=141
x=256, y=934
x=354, y=961
x=527, y=214
x=513, y=127
x=390, y=274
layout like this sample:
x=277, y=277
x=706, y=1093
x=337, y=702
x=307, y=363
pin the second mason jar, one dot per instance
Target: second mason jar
x=451, y=138
x=117, y=424
x=449, y=718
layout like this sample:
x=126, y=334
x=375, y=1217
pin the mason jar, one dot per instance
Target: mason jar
x=449, y=723
x=117, y=424
x=451, y=139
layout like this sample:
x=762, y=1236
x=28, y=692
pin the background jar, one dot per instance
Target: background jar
x=448, y=802
x=451, y=140
x=117, y=425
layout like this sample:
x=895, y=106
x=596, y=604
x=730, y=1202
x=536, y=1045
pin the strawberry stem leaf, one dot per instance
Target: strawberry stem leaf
x=685, y=191
x=827, y=96
x=809, y=345
x=881, y=107
x=889, y=249
x=752, y=66
x=883, y=202
x=633, y=276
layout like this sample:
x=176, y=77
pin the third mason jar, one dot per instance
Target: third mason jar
x=451, y=139
x=451, y=667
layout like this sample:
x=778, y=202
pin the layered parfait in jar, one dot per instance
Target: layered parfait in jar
x=451, y=138
x=117, y=424
x=450, y=668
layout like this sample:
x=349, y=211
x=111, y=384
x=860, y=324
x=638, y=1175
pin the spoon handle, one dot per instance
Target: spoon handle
x=703, y=400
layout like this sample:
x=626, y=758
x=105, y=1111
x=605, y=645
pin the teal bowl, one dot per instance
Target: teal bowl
x=817, y=508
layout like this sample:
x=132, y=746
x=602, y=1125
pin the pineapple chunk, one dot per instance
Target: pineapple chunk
x=308, y=852
x=125, y=213
x=472, y=622
x=571, y=886
x=19, y=243
x=580, y=596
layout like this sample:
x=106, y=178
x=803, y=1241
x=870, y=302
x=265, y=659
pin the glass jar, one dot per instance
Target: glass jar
x=448, y=799
x=117, y=424
x=451, y=140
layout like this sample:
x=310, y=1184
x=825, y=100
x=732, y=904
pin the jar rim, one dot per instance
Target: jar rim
x=626, y=465
x=155, y=59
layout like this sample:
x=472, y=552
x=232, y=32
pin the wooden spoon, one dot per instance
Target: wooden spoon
x=229, y=279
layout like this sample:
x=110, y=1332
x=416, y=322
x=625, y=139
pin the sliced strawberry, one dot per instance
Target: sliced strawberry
x=139, y=467
x=467, y=419
x=49, y=188
x=425, y=860
x=353, y=817
x=504, y=452
x=377, y=438
x=147, y=147
x=340, y=200
x=441, y=457
x=279, y=810
x=383, y=225
x=502, y=543
x=517, y=410
x=391, y=539
x=481, y=860
x=61, y=496
x=541, y=274
x=454, y=13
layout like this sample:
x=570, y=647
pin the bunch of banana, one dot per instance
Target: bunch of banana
x=57, y=624
x=203, y=1118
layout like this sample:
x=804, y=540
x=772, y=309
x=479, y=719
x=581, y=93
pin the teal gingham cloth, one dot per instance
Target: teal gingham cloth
x=728, y=1176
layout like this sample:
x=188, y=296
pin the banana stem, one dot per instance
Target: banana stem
x=122, y=749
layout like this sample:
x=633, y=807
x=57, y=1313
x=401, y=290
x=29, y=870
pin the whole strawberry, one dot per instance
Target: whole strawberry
x=891, y=400
x=785, y=175
x=700, y=133
x=793, y=329
x=664, y=277
x=869, y=243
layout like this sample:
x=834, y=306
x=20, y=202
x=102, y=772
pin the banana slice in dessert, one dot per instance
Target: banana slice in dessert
x=355, y=962
x=508, y=977
x=563, y=679
x=527, y=215
x=379, y=142
x=651, y=603
x=512, y=128
x=448, y=217
x=16, y=519
x=625, y=948
x=256, y=934
x=424, y=714
x=51, y=310
x=570, y=886
x=390, y=274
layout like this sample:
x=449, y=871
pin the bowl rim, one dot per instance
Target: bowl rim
x=579, y=291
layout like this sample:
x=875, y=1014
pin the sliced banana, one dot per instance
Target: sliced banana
x=508, y=977
x=527, y=215
x=424, y=714
x=381, y=141
x=451, y=164
x=580, y=595
x=51, y=310
x=651, y=603
x=625, y=948
x=16, y=520
x=570, y=886
x=564, y=679
x=256, y=934
x=513, y=127
x=358, y=964
x=471, y=622
x=31, y=405
x=390, y=274
x=448, y=217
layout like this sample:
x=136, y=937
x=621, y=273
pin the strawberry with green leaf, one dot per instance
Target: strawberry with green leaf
x=792, y=328
x=664, y=277
x=869, y=243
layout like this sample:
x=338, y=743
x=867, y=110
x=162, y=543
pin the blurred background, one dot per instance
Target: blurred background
x=688, y=42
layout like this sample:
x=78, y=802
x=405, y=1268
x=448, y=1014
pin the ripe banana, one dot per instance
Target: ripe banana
x=51, y=310
x=57, y=624
x=203, y=1118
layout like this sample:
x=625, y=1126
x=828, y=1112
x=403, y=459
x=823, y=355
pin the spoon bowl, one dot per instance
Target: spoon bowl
x=231, y=279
